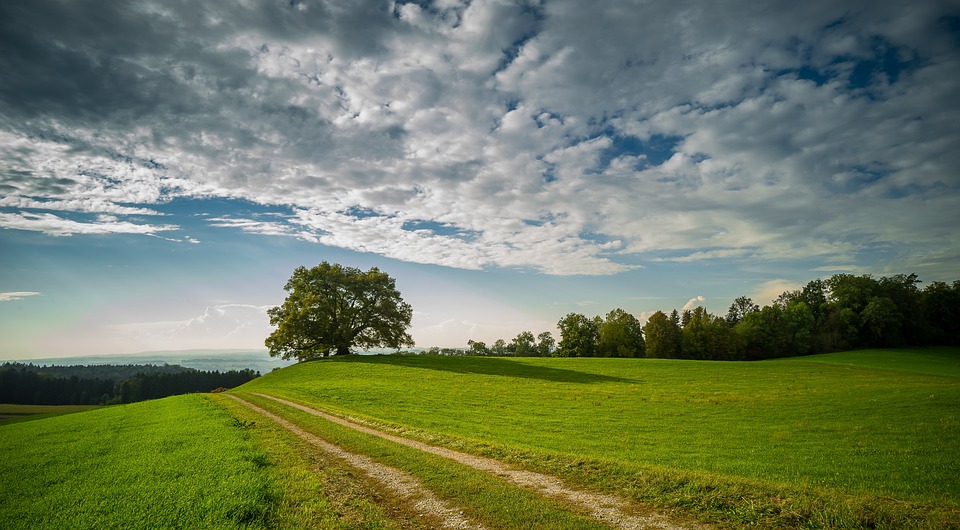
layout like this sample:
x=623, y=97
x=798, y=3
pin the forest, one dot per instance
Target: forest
x=28, y=384
x=842, y=312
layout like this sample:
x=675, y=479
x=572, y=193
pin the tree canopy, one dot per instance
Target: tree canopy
x=843, y=311
x=331, y=309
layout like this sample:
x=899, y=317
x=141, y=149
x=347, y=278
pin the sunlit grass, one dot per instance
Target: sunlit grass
x=180, y=462
x=827, y=429
x=315, y=490
x=482, y=497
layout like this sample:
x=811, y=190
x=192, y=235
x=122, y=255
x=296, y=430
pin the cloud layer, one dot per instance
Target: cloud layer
x=563, y=137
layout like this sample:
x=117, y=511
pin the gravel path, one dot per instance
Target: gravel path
x=404, y=485
x=606, y=508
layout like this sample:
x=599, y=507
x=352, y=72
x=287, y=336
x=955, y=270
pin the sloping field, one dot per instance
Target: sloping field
x=179, y=462
x=841, y=438
x=863, y=439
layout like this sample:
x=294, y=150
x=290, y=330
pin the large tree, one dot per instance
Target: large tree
x=578, y=336
x=662, y=335
x=621, y=335
x=331, y=309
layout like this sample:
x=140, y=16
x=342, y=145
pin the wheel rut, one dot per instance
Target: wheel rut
x=606, y=508
x=404, y=485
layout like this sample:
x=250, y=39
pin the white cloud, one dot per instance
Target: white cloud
x=17, y=295
x=53, y=225
x=511, y=124
x=219, y=326
x=696, y=301
x=770, y=290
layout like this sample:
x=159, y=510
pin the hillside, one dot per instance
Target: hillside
x=851, y=440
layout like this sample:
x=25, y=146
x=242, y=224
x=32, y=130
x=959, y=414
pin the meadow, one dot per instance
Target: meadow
x=852, y=436
x=864, y=439
x=179, y=462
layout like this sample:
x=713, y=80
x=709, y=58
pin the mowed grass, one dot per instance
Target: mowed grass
x=836, y=426
x=933, y=361
x=180, y=462
x=481, y=496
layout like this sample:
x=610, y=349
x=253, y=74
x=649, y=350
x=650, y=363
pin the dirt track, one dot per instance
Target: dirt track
x=606, y=508
x=403, y=484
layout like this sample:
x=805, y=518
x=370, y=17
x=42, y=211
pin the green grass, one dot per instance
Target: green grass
x=483, y=497
x=932, y=361
x=180, y=462
x=315, y=490
x=20, y=413
x=674, y=432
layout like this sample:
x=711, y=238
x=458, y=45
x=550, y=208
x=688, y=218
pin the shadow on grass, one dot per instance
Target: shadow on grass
x=486, y=366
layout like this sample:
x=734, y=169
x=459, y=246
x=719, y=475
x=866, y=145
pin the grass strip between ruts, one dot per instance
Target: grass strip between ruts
x=483, y=497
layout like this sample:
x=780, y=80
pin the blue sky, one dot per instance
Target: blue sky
x=164, y=165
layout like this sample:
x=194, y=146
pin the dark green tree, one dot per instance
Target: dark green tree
x=662, y=335
x=620, y=335
x=524, y=345
x=545, y=344
x=882, y=322
x=740, y=307
x=578, y=336
x=798, y=326
x=940, y=309
x=477, y=348
x=331, y=309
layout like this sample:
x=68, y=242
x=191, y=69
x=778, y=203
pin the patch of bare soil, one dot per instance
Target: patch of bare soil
x=607, y=508
x=400, y=483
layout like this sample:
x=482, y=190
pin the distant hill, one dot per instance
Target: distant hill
x=207, y=360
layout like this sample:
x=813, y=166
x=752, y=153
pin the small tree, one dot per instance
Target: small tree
x=545, y=344
x=331, y=309
x=524, y=345
x=578, y=336
x=477, y=348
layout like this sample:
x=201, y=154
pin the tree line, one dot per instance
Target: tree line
x=842, y=312
x=28, y=384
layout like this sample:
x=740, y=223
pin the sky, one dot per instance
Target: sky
x=165, y=165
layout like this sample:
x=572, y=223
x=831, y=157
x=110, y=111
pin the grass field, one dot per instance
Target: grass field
x=866, y=439
x=18, y=413
x=180, y=462
x=854, y=426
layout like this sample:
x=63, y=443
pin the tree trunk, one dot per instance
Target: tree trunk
x=343, y=349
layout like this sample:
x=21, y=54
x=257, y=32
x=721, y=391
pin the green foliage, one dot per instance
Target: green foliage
x=662, y=336
x=173, y=463
x=620, y=335
x=578, y=336
x=740, y=307
x=705, y=336
x=478, y=348
x=524, y=345
x=82, y=385
x=545, y=344
x=331, y=308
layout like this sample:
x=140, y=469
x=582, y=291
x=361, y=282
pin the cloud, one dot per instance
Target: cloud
x=58, y=226
x=770, y=290
x=17, y=295
x=219, y=326
x=694, y=302
x=724, y=132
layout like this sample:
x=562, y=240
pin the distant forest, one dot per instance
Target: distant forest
x=28, y=384
x=842, y=312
